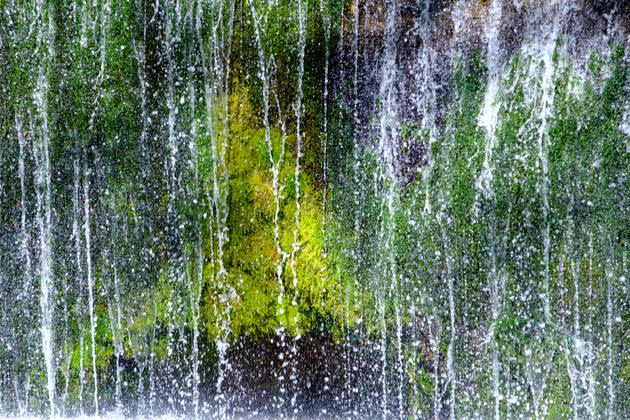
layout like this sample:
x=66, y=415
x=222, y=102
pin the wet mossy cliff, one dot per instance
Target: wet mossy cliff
x=315, y=207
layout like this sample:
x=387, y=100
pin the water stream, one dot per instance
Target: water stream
x=314, y=209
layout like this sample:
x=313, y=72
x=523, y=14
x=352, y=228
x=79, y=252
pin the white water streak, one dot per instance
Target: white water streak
x=43, y=180
x=90, y=281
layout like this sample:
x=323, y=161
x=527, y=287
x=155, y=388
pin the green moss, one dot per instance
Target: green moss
x=251, y=257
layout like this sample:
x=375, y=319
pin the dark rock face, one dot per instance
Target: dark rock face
x=414, y=158
x=331, y=378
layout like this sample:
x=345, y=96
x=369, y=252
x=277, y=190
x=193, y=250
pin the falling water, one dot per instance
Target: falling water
x=387, y=150
x=490, y=110
x=116, y=321
x=24, y=234
x=362, y=209
x=44, y=205
x=488, y=119
x=196, y=280
x=326, y=23
x=174, y=229
x=90, y=280
x=211, y=64
x=25, y=252
x=277, y=187
x=296, y=245
x=76, y=233
x=610, y=385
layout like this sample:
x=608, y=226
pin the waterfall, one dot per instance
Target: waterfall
x=44, y=205
x=294, y=209
x=277, y=187
x=90, y=280
x=172, y=15
x=116, y=321
x=296, y=245
x=325, y=99
x=388, y=139
x=24, y=247
x=76, y=233
x=211, y=64
x=610, y=385
x=196, y=280
x=490, y=110
x=488, y=119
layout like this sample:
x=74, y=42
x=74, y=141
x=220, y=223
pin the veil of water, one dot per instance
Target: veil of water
x=314, y=209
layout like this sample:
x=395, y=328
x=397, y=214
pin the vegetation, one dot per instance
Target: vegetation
x=498, y=263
